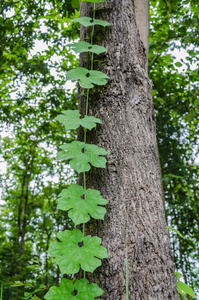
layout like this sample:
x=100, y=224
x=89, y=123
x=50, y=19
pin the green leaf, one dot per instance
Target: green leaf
x=17, y=284
x=75, y=4
x=35, y=298
x=179, y=275
x=176, y=231
x=81, y=155
x=87, y=78
x=70, y=253
x=86, y=21
x=154, y=92
x=71, y=120
x=86, y=47
x=27, y=295
x=196, y=102
x=183, y=287
x=60, y=293
x=80, y=207
x=178, y=64
x=66, y=290
x=33, y=267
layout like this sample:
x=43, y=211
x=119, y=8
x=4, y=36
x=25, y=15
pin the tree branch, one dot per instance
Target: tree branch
x=174, y=28
x=162, y=45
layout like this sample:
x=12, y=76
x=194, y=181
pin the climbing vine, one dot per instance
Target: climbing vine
x=75, y=249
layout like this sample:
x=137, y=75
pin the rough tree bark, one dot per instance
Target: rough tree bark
x=132, y=181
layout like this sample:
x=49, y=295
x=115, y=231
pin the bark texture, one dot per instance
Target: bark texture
x=132, y=181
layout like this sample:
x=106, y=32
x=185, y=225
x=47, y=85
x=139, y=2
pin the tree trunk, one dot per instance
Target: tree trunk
x=132, y=181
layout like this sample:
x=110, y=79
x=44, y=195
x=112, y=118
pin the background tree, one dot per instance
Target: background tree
x=31, y=97
x=176, y=106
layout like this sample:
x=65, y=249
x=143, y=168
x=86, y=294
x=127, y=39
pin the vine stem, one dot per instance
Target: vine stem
x=92, y=34
x=87, y=98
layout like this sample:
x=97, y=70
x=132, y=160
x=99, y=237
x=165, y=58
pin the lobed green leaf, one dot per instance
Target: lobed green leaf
x=70, y=254
x=87, y=78
x=81, y=155
x=81, y=207
x=85, y=291
x=86, y=47
x=71, y=119
x=86, y=21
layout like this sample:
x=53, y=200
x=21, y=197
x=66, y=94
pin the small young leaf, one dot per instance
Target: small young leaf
x=87, y=78
x=86, y=21
x=71, y=120
x=183, y=287
x=80, y=208
x=179, y=275
x=176, y=231
x=81, y=155
x=85, y=291
x=70, y=253
x=86, y=47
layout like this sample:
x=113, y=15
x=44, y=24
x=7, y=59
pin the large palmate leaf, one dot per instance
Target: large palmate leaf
x=75, y=250
x=66, y=291
x=87, y=78
x=86, y=47
x=71, y=120
x=86, y=21
x=81, y=203
x=81, y=155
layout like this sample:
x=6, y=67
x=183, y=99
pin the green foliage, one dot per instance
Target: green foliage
x=71, y=119
x=67, y=289
x=75, y=250
x=183, y=287
x=87, y=78
x=177, y=124
x=82, y=203
x=175, y=230
x=81, y=155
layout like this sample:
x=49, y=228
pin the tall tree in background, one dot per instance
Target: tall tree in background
x=175, y=76
x=135, y=221
x=31, y=97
